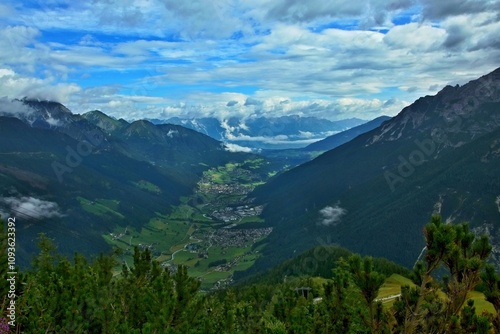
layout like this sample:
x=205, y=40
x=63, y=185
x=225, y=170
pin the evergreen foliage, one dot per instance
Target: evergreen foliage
x=80, y=296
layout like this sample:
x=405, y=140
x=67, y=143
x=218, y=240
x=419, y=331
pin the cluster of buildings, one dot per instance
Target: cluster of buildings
x=116, y=236
x=239, y=237
x=225, y=189
x=232, y=214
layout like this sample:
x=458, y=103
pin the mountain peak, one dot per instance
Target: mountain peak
x=463, y=112
x=439, y=154
x=36, y=113
x=105, y=122
x=96, y=113
x=45, y=105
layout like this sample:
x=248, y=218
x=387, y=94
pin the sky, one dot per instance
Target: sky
x=243, y=58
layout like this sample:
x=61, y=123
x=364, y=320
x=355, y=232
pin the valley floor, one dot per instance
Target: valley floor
x=214, y=232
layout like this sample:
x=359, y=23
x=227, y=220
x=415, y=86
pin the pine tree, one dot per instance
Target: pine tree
x=369, y=283
x=456, y=248
x=491, y=284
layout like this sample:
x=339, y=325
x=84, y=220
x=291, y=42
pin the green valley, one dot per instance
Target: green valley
x=250, y=167
x=213, y=232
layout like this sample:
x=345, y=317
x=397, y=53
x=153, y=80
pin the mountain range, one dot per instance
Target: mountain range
x=296, y=156
x=374, y=193
x=75, y=177
x=283, y=132
x=371, y=189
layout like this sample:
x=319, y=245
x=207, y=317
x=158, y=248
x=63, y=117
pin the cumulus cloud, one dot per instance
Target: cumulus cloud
x=331, y=215
x=254, y=55
x=277, y=104
x=416, y=37
x=236, y=148
x=15, y=85
x=214, y=105
x=31, y=207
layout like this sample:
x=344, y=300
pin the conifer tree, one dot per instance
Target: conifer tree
x=457, y=249
x=491, y=283
x=369, y=283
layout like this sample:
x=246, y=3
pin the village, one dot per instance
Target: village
x=234, y=214
x=224, y=189
x=238, y=237
x=219, y=236
x=227, y=181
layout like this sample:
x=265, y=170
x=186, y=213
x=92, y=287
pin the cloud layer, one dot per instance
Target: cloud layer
x=237, y=148
x=333, y=59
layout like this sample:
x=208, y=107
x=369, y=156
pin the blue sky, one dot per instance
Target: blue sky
x=159, y=59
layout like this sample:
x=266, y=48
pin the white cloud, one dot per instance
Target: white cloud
x=5, y=72
x=17, y=47
x=193, y=19
x=53, y=122
x=415, y=37
x=14, y=85
x=306, y=134
x=331, y=215
x=16, y=108
x=215, y=105
x=177, y=60
x=31, y=207
x=237, y=148
x=172, y=133
x=275, y=140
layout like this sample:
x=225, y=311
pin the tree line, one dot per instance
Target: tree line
x=58, y=295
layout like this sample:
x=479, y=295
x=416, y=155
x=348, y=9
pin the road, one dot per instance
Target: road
x=384, y=299
x=184, y=248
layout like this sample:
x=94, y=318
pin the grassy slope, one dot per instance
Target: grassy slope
x=393, y=284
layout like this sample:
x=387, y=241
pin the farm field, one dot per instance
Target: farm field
x=204, y=232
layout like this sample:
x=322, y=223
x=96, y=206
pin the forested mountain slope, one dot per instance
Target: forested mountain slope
x=439, y=154
x=77, y=177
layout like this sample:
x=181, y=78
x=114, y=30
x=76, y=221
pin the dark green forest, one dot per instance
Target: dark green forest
x=338, y=295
